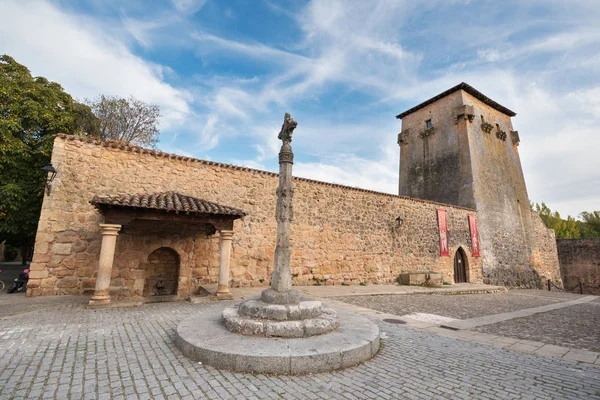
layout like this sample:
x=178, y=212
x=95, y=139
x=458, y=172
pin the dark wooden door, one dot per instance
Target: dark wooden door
x=460, y=267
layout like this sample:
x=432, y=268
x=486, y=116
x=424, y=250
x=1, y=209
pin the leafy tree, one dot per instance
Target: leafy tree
x=32, y=111
x=128, y=120
x=590, y=224
x=569, y=228
x=563, y=229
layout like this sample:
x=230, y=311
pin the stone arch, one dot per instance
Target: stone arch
x=161, y=272
x=461, y=266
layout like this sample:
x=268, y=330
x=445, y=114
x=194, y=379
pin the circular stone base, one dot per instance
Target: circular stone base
x=202, y=337
x=256, y=308
x=326, y=320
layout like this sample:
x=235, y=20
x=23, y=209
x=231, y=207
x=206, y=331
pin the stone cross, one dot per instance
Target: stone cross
x=281, y=279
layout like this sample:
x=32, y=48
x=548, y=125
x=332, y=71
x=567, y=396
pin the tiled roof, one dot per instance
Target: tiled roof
x=467, y=88
x=166, y=201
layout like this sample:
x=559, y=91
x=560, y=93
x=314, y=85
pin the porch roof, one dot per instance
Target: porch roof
x=168, y=202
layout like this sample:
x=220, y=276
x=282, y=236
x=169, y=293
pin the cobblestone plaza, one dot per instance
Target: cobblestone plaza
x=61, y=350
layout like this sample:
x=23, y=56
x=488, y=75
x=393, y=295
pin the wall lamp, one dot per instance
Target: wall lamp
x=49, y=169
x=397, y=224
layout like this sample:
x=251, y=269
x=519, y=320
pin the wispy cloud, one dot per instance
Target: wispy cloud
x=87, y=60
x=188, y=6
x=343, y=68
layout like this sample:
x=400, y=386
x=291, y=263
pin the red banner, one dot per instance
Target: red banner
x=443, y=232
x=474, y=235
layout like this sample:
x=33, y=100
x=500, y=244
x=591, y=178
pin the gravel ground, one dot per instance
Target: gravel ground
x=576, y=326
x=459, y=306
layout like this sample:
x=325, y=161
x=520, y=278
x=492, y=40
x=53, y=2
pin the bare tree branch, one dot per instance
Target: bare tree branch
x=129, y=120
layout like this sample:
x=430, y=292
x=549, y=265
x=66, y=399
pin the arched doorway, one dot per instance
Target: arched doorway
x=460, y=266
x=161, y=273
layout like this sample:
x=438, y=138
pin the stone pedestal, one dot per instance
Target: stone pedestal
x=257, y=318
x=107, y=254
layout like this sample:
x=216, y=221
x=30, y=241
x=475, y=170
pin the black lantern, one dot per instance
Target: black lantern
x=49, y=169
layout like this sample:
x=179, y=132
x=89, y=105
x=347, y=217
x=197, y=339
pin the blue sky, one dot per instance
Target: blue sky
x=225, y=72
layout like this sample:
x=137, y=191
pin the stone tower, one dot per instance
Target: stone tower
x=460, y=148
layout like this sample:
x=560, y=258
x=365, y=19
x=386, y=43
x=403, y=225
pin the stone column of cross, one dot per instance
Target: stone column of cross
x=281, y=278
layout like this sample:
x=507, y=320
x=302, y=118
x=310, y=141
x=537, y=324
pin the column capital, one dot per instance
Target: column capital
x=110, y=229
x=226, y=234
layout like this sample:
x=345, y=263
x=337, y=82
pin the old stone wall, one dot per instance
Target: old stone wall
x=507, y=233
x=544, y=253
x=340, y=235
x=435, y=163
x=580, y=262
x=459, y=162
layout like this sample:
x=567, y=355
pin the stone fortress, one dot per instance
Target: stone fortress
x=121, y=221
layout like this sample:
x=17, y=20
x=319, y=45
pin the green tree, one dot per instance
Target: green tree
x=570, y=228
x=32, y=111
x=563, y=229
x=127, y=120
x=590, y=224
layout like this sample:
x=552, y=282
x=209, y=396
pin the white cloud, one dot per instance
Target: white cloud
x=84, y=57
x=543, y=69
x=188, y=6
x=209, y=137
x=347, y=169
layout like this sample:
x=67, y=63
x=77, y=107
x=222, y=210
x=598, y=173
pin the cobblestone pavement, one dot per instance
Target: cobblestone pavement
x=68, y=352
x=576, y=326
x=460, y=306
x=18, y=304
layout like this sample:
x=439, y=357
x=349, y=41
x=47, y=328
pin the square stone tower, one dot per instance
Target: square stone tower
x=460, y=148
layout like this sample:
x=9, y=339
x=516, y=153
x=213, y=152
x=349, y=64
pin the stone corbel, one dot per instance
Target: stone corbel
x=427, y=132
x=403, y=137
x=486, y=127
x=514, y=135
x=465, y=112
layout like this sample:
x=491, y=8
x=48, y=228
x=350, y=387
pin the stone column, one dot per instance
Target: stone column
x=223, y=292
x=107, y=253
x=281, y=291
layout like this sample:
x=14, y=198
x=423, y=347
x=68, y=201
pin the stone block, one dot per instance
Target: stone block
x=88, y=283
x=272, y=296
x=309, y=309
x=61, y=248
x=62, y=272
x=67, y=283
x=33, y=283
x=43, y=274
x=285, y=329
x=419, y=278
x=41, y=258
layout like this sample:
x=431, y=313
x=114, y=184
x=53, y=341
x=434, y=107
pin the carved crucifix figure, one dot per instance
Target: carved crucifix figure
x=287, y=129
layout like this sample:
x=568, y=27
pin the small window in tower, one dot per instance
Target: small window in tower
x=497, y=127
x=482, y=119
x=428, y=124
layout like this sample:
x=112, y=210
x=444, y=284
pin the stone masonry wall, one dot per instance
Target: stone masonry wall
x=436, y=165
x=580, y=262
x=502, y=202
x=545, y=255
x=459, y=163
x=340, y=235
